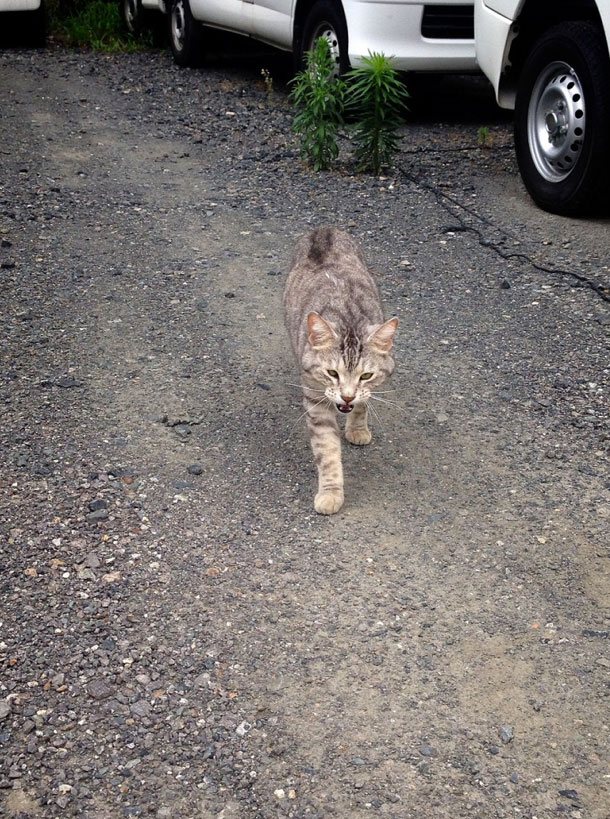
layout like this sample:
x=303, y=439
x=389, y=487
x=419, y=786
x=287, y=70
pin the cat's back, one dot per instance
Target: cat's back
x=324, y=248
x=329, y=276
x=326, y=262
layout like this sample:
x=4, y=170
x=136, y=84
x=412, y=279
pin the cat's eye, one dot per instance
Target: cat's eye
x=333, y=373
x=366, y=376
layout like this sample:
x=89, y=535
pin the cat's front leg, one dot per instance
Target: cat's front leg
x=326, y=446
x=356, y=427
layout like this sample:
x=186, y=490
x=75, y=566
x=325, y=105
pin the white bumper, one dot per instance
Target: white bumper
x=395, y=30
x=493, y=37
x=19, y=5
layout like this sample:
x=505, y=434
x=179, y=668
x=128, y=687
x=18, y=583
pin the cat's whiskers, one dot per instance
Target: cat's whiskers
x=375, y=415
x=303, y=414
x=376, y=397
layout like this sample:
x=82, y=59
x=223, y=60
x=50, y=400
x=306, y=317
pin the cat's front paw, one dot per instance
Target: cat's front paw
x=328, y=502
x=359, y=437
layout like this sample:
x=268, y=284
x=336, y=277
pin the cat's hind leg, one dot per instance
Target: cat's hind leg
x=326, y=446
x=356, y=427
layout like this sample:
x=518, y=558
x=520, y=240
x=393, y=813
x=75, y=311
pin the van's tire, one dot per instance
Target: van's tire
x=132, y=15
x=138, y=21
x=324, y=19
x=185, y=35
x=562, y=120
x=23, y=29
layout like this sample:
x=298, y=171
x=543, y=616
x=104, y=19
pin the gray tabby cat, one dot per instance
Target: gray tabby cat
x=335, y=322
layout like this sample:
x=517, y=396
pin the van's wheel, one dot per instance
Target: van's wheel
x=132, y=16
x=324, y=19
x=562, y=120
x=185, y=35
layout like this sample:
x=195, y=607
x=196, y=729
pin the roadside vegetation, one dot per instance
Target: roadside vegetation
x=94, y=24
x=371, y=97
x=318, y=96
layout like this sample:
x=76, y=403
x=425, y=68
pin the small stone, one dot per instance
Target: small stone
x=591, y=632
x=569, y=793
x=111, y=577
x=5, y=709
x=507, y=733
x=428, y=750
x=243, y=728
x=67, y=382
x=99, y=689
x=195, y=469
x=494, y=750
x=98, y=503
x=92, y=561
x=279, y=793
x=99, y=514
x=505, y=285
x=141, y=708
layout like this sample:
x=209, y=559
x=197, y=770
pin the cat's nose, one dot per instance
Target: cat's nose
x=347, y=399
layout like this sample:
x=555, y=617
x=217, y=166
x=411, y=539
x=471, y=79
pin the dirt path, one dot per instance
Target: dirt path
x=182, y=636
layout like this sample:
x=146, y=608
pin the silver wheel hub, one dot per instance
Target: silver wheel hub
x=178, y=24
x=131, y=14
x=328, y=33
x=556, y=121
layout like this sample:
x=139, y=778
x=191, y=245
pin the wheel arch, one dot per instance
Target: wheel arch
x=302, y=9
x=535, y=17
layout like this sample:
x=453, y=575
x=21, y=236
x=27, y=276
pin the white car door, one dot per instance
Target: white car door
x=272, y=21
x=235, y=15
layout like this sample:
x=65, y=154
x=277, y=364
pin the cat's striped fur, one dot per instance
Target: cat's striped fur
x=342, y=344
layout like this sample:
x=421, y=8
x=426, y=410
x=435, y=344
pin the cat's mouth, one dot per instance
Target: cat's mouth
x=345, y=407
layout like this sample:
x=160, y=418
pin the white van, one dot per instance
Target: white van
x=549, y=61
x=432, y=36
x=22, y=22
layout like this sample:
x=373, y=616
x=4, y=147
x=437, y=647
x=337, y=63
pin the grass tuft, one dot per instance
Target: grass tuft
x=96, y=25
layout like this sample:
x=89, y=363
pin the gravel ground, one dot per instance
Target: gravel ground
x=181, y=635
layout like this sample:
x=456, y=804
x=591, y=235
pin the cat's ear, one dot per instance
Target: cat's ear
x=321, y=334
x=382, y=337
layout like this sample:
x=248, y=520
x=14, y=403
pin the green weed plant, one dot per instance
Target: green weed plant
x=376, y=101
x=318, y=97
x=96, y=25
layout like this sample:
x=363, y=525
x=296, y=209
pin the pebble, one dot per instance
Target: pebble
x=97, y=504
x=243, y=728
x=99, y=514
x=5, y=709
x=507, y=733
x=99, y=689
x=195, y=469
x=92, y=561
x=141, y=708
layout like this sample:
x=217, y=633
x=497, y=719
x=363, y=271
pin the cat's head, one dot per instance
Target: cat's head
x=347, y=364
